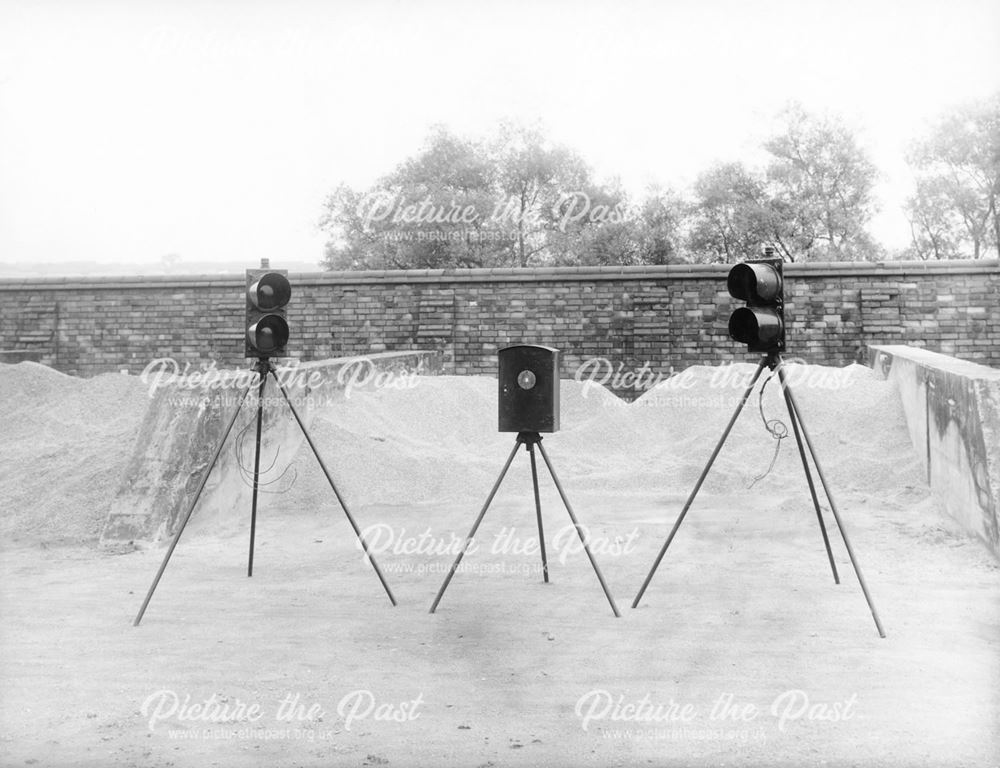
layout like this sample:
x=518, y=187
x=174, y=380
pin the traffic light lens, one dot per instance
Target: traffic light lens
x=754, y=282
x=740, y=282
x=271, y=291
x=526, y=379
x=754, y=326
x=268, y=334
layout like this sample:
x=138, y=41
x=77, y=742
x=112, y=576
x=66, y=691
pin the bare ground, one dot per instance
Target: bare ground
x=747, y=610
x=743, y=651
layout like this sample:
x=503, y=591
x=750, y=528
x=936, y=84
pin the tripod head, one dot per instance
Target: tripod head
x=529, y=439
x=263, y=366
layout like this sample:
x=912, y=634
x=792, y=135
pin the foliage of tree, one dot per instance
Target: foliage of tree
x=448, y=180
x=935, y=225
x=813, y=200
x=658, y=227
x=955, y=209
x=727, y=219
x=820, y=189
x=516, y=199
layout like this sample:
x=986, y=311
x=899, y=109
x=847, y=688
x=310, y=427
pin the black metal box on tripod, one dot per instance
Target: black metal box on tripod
x=528, y=379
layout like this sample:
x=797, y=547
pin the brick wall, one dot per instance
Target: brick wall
x=671, y=316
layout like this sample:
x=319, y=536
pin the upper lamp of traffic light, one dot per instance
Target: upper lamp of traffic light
x=754, y=283
x=270, y=291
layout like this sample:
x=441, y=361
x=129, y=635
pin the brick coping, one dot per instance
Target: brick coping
x=897, y=269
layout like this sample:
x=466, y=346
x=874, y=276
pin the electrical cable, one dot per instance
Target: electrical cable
x=246, y=469
x=776, y=428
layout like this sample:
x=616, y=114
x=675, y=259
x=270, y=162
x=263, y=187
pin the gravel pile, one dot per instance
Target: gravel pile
x=68, y=440
x=65, y=445
x=439, y=441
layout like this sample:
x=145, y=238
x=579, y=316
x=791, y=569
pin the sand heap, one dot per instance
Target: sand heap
x=69, y=440
x=66, y=443
x=438, y=441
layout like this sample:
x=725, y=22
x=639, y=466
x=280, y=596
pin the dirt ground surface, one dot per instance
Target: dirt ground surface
x=742, y=652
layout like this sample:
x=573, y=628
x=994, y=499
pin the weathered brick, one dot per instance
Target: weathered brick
x=668, y=316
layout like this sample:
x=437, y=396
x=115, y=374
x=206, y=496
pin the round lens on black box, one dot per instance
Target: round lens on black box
x=526, y=379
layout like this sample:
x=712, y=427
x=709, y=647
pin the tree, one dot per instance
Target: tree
x=432, y=212
x=934, y=223
x=532, y=178
x=958, y=182
x=658, y=227
x=728, y=220
x=514, y=200
x=518, y=199
x=814, y=199
x=820, y=186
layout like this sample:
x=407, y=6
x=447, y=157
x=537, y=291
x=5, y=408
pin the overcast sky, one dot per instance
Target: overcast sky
x=214, y=130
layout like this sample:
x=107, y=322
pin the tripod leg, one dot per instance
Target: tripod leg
x=579, y=530
x=701, y=479
x=805, y=466
x=833, y=508
x=347, y=512
x=256, y=471
x=475, y=527
x=538, y=511
x=194, y=502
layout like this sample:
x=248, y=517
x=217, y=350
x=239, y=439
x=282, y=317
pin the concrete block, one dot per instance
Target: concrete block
x=952, y=412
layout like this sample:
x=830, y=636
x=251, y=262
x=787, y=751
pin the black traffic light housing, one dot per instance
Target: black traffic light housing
x=528, y=380
x=761, y=323
x=268, y=292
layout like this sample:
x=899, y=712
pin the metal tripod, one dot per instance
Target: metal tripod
x=529, y=440
x=264, y=367
x=774, y=362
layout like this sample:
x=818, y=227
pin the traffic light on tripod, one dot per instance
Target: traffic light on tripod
x=528, y=377
x=761, y=323
x=268, y=291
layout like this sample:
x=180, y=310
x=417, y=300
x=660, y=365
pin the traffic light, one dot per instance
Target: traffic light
x=268, y=291
x=528, y=378
x=761, y=323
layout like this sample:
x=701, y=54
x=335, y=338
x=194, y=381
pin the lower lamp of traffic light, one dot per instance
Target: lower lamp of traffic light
x=755, y=326
x=268, y=334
